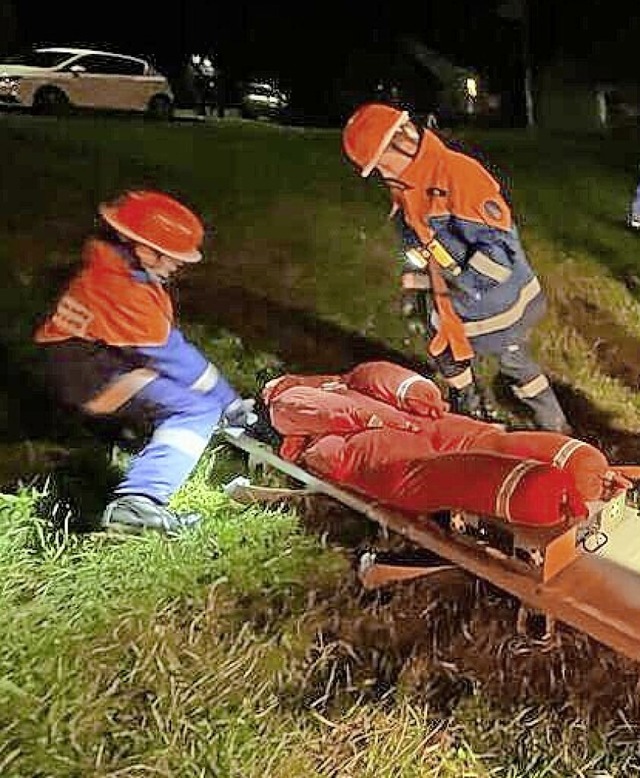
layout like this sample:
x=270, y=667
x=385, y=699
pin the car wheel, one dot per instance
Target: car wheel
x=50, y=101
x=159, y=108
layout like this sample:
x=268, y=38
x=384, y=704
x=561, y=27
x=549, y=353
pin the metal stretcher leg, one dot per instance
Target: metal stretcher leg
x=537, y=627
x=381, y=569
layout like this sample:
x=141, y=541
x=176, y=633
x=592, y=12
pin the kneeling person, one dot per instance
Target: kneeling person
x=112, y=349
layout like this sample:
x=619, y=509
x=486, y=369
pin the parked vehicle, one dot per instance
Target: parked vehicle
x=263, y=100
x=51, y=80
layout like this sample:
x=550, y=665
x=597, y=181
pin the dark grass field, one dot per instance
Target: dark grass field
x=249, y=648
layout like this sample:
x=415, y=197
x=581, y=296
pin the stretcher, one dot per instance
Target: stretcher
x=586, y=576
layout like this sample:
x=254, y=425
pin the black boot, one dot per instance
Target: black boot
x=470, y=402
x=466, y=402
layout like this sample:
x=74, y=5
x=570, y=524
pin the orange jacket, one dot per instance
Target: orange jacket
x=110, y=301
x=448, y=196
x=443, y=182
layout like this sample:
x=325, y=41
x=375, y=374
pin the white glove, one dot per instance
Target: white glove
x=238, y=415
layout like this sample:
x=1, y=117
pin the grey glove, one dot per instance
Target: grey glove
x=239, y=414
x=416, y=309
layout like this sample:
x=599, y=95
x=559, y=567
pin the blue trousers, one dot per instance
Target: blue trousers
x=635, y=203
x=184, y=422
x=185, y=404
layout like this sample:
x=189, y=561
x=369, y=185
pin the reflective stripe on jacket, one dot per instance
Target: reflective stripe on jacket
x=452, y=198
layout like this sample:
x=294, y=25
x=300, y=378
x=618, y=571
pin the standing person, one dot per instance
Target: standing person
x=212, y=77
x=190, y=87
x=465, y=276
x=633, y=218
x=198, y=82
x=112, y=349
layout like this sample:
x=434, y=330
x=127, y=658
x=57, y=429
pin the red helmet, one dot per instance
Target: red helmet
x=368, y=133
x=158, y=221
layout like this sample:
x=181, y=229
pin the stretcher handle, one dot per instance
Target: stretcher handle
x=632, y=472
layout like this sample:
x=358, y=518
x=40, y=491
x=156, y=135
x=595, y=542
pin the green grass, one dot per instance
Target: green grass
x=214, y=655
x=247, y=648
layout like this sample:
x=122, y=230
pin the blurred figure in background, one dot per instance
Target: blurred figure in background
x=633, y=217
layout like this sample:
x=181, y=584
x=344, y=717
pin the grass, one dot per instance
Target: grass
x=213, y=655
x=247, y=647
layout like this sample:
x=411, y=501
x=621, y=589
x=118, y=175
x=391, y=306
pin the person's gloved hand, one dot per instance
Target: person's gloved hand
x=239, y=414
x=415, y=309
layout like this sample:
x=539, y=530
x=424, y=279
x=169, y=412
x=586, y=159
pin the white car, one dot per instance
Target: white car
x=53, y=79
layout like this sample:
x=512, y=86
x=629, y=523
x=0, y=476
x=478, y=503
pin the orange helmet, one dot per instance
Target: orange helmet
x=368, y=133
x=158, y=221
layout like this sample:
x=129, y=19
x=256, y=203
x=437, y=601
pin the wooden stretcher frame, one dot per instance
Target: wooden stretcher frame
x=591, y=593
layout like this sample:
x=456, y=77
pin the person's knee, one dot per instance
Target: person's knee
x=164, y=399
x=206, y=407
x=516, y=363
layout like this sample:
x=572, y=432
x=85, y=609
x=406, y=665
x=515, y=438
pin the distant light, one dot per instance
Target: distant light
x=472, y=87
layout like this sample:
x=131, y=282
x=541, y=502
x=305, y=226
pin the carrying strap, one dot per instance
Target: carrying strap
x=450, y=332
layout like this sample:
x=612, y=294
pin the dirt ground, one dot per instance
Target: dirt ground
x=447, y=634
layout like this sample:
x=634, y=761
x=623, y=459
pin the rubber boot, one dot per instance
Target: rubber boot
x=470, y=402
x=134, y=513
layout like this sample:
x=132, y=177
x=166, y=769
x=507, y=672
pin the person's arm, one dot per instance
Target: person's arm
x=416, y=304
x=490, y=257
x=183, y=362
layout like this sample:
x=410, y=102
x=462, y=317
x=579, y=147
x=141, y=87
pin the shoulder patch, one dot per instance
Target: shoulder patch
x=493, y=210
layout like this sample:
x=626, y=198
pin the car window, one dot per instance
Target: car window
x=261, y=89
x=98, y=63
x=37, y=59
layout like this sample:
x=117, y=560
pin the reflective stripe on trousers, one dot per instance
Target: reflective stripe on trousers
x=531, y=386
x=186, y=419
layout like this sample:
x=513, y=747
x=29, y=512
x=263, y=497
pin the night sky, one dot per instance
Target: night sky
x=313, y=43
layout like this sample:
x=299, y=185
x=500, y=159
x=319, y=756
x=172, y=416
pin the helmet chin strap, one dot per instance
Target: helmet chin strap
x=142, y=255
x=155, y=276
x=408, y=135
x=405, y=145
x=395, y=183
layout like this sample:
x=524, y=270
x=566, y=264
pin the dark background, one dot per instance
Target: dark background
x=311, y=47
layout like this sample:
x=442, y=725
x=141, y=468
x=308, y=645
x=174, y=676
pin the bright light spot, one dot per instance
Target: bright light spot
x=472, y=87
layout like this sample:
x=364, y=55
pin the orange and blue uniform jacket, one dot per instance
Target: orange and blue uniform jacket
x=449, y=197
x=113, y=347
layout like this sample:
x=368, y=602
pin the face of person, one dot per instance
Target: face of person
x=399, y=154
x=157, y=264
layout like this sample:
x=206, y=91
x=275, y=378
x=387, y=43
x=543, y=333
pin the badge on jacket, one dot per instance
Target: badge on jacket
x=493, y=210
